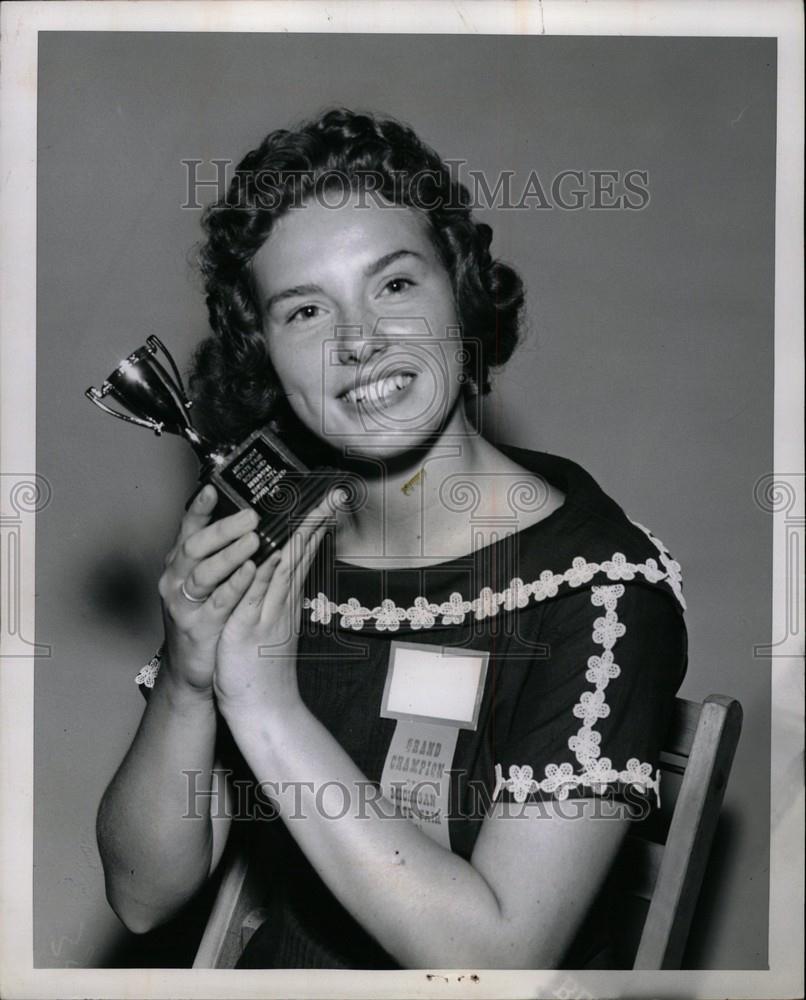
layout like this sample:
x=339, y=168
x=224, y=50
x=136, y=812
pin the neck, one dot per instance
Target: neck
x=406, y=493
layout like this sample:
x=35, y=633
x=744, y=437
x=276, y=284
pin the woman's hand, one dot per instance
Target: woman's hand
x=208, y=562
x=256, y=671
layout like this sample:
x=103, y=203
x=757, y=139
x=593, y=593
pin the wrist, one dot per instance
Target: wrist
x=274, y=707
x=268, y=723
x=183, y=695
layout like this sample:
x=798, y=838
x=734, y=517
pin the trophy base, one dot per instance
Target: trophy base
x=264, y=474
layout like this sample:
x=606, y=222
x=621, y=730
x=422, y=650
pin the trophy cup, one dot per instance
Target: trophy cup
x=261, y=472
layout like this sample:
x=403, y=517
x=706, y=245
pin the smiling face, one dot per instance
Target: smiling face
x=361, y=326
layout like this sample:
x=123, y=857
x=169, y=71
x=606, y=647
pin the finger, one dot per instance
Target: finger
x=211, y=539
x=250, y=605
x=207, y=574
x=226, y=595
x=199, y=512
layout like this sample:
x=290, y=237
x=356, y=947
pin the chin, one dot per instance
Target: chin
x=384, y=446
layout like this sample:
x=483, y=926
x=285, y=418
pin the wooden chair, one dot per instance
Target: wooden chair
x=658, y=874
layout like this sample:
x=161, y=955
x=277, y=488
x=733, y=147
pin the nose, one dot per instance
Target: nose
x=359, y=344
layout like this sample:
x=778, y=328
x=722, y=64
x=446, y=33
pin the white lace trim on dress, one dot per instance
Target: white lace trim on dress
x=674, y=575
x=387, y=616
x=597, y=772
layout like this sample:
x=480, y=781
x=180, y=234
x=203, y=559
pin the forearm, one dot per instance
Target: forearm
x=425, y=905
x=154, y=836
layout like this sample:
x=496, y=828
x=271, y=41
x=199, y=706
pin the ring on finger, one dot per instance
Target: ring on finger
x=190, y=597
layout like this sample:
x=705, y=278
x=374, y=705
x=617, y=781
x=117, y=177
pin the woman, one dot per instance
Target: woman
x=355, y=306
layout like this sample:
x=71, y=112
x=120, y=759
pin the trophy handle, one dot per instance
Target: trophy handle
x=155, y=344
x=96, y=396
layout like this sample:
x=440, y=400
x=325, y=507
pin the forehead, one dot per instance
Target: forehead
x=315, y=235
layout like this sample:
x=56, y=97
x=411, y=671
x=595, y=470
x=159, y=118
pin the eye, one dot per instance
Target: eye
x=397, y=285
x=303, y=313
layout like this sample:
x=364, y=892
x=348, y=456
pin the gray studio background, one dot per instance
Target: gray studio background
x=650, y=361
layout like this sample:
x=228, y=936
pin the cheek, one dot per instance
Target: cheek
x=447, y=312
x=299, y=369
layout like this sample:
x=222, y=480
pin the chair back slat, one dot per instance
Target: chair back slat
x=691, y=831
x=242, y=887
x=220, y=945
x=682, y=728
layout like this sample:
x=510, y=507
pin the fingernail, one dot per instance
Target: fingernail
x=206, y=496
x=247, y=516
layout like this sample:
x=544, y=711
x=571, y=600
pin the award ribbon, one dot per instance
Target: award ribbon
x=433, y=692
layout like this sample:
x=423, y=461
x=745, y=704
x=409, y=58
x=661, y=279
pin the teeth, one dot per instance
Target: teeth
x=380, y=389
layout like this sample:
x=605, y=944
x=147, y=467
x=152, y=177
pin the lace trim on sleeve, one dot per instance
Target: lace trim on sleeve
x=596, y=773
x=148, y=673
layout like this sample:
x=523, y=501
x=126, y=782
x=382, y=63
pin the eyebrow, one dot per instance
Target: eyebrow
x=390, y=258
x=370, y=271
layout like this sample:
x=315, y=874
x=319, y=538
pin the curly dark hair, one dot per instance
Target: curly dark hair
x=233, y=382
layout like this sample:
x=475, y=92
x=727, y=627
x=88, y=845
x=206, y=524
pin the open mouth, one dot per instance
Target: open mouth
x=383, y=390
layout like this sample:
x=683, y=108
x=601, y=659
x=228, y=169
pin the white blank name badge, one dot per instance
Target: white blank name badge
x=440, y=684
